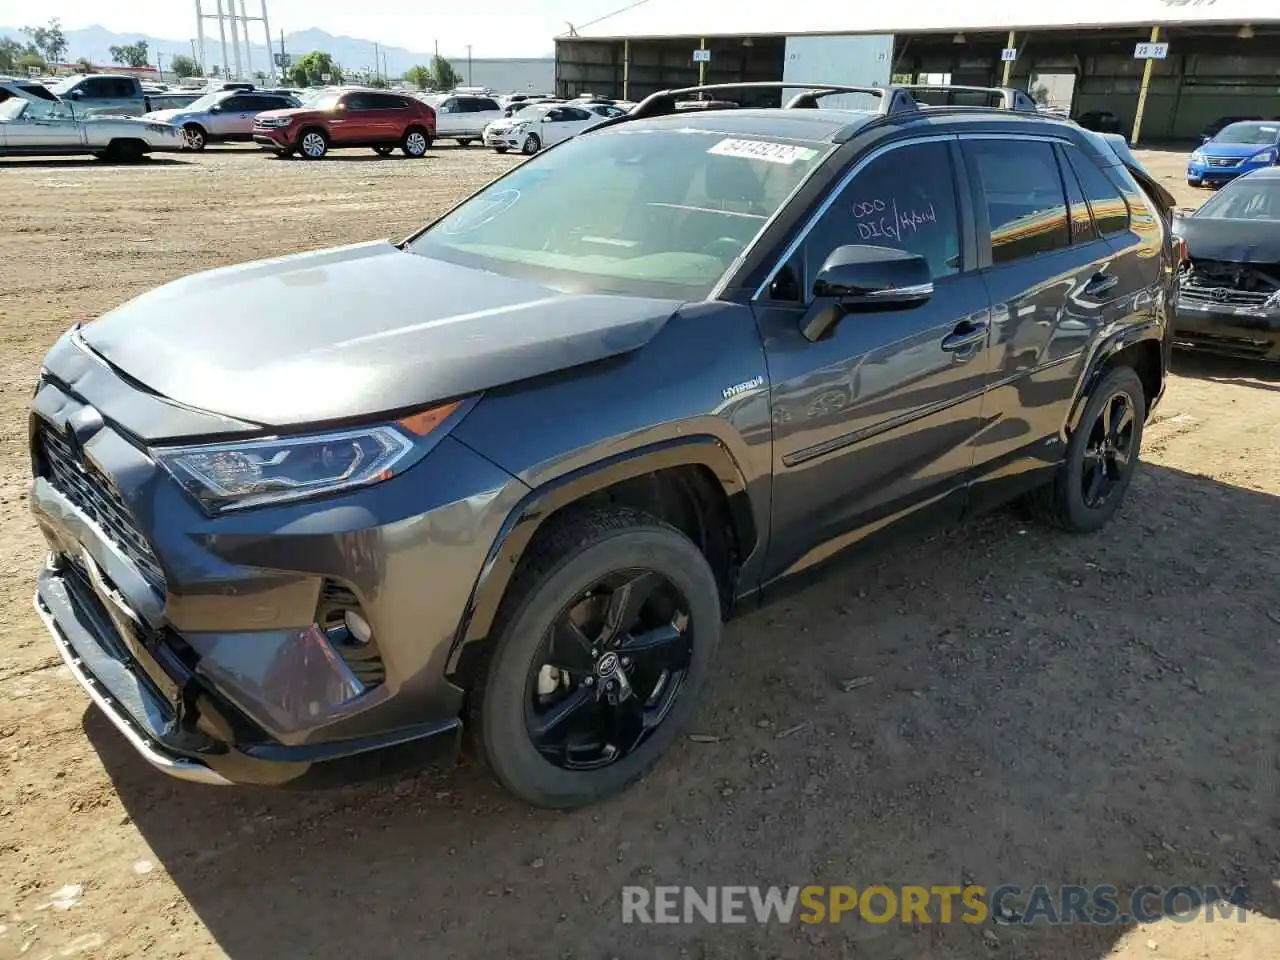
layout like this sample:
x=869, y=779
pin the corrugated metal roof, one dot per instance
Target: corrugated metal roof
x=680, y=18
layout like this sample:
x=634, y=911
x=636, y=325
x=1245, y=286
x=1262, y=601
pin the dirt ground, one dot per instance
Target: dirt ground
x=1041, y=708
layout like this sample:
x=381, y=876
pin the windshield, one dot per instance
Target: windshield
x=324, y=100
x=63, y=87
x=643, y=213
x=1259, y=133
x=1247, y=199
x=204, y=103
x=530, y=113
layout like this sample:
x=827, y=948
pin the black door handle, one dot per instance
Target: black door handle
x=1101, y=283
x=967, y=333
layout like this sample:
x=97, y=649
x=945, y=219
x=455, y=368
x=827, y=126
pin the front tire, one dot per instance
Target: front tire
x=416, y=143
x=600, y=650
x=1102, y=457
x=531, y=145
x=313, y=144
x=194, y=138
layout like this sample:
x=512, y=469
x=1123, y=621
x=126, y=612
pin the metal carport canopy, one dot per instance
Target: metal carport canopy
x=754, y=18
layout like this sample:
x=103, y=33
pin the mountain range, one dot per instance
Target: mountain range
x=96, y=42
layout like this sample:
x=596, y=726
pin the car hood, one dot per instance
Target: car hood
x=356, y=331
x=1214, y=149
x=1236, y=241
x=294, y=112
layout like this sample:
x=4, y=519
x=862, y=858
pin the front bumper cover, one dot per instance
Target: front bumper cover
x=1228, y=330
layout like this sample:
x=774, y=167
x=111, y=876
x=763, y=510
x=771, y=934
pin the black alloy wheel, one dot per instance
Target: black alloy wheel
x=609, y=670
x=1108, y=450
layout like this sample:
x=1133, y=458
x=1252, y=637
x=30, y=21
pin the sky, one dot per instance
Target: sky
x=494, y=28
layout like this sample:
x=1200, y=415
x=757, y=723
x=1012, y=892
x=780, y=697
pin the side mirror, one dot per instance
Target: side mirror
x=865, y=279
x=216, y=108
x=75, y=94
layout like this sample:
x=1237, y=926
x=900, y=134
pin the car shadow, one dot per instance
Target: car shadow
x=996, y=705
x=1259, y=374
x=353, y=158
x=87, y=161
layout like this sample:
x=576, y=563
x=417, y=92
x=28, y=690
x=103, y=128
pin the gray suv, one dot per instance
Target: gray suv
x=512, y=473
x=222, y=116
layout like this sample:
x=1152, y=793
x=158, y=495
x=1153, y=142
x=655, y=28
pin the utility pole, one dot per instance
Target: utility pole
x=468, y=64
x=248, y=44
x=266, y=33
x=222, y=32
x=160, y=65
x=235, y=37
x=377, y=64
x=199, y=59
x=283, y=69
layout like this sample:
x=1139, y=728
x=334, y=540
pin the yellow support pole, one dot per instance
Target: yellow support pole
x=702, y=65
x=1008, y=64
x=626, y=69
x=1142, y=93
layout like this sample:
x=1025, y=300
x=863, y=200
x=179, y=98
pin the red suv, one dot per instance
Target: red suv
x=349, y=118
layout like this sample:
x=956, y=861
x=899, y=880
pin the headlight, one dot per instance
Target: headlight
x=1265, y=156
x=1197, y=156
x=233, y=476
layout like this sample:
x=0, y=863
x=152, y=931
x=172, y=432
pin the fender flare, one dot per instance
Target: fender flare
x=527, y=517
x=1103, y=354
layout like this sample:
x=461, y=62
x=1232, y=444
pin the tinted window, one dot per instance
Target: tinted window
x=450, y=106
x=485, y=105
x=905, y=199
x=236, y=104
x=360, y=101
x=384, y=101
x=97, y=87
x=1019, y=183
x=573, y=114
x=1082, y=228
x=1109, y=210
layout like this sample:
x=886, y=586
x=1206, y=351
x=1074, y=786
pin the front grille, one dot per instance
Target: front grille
x=95, y=497
x=1223, y=161
x=1207, y=292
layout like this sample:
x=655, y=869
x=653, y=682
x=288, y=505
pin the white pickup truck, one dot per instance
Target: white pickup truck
x=34, y=122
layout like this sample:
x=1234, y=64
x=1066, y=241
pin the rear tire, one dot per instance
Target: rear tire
x=194, y=138
x=663, y=656
x=313, y=144
x=416, y=143
x=1102, y=456
x=124, y=151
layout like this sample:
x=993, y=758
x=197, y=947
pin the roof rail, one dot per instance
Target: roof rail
x=663, y=102
x=1005, y=98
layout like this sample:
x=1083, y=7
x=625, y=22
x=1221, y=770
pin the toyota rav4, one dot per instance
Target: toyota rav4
x=304, y=522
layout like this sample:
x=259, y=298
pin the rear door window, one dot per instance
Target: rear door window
x=1082, y=227
x=1110, y=212
x=485, y=105
x=1020, y=188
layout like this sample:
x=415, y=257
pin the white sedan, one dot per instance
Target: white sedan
x=34, y=123
x=545, y=125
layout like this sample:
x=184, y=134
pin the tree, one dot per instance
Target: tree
x=419, y=76
x=443, y=76
x=311, y=68
x=184, y=66
x=260, y=75
x=1041, y=95
x=31, y=59
x=10, y=51
x=130, y=54
x=85, y=65
x=49, y=41
x=378, y=83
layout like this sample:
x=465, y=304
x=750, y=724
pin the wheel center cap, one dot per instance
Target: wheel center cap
x=607, y=666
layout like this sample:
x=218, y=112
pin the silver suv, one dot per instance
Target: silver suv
x=221, y=116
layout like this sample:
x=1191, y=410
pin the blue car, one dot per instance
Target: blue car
x=1237, y=149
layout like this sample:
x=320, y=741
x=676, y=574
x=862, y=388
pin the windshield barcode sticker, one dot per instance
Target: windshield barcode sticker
x=787, y=153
